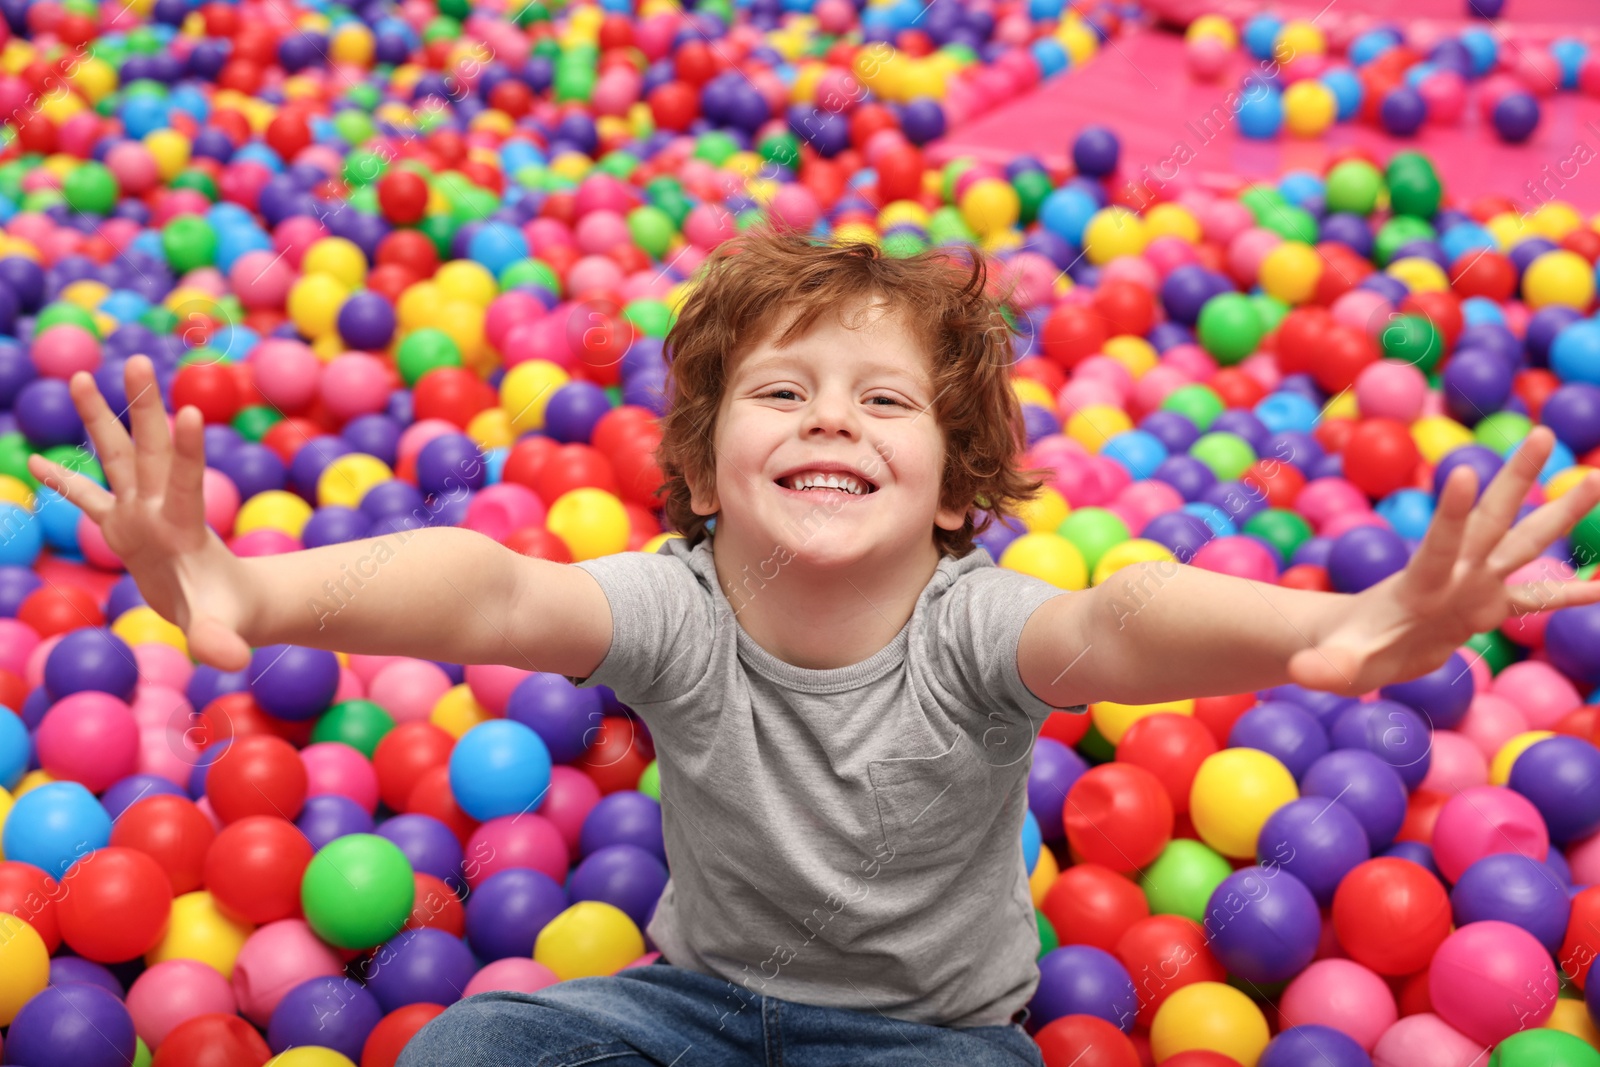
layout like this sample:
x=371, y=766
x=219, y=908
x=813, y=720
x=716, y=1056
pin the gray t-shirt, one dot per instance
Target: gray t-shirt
x=849, y=837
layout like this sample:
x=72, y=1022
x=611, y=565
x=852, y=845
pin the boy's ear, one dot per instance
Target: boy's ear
x=703, y=495
x=952, y=519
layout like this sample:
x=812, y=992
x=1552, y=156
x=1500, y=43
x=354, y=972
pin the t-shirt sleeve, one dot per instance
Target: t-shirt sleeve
x=977, y=631
x=661, y=621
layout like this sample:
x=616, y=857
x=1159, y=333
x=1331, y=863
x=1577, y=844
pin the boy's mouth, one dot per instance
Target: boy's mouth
x=813, y=481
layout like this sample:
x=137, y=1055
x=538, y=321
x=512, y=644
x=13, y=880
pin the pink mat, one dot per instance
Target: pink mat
x=1138, y=85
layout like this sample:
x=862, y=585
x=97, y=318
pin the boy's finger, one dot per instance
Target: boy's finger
x=79, y=489
x=1542, y=596
x=1436, y=557
x=151, y=439
x=184, y=502
x=111, y=442
x=1498, y=508
x=1533, y=534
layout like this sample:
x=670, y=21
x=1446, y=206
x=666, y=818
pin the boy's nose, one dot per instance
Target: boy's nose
x=830, y=413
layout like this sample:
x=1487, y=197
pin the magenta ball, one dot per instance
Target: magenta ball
x=1480, y=822
x=1490, y=979
x=1240, y=557
x=1341, y=994
x=62, y=351
x=173, y=992
x=1427, y=1041
x=515, y=975
x=275, y=959
x=332, y=767
x=90, y=738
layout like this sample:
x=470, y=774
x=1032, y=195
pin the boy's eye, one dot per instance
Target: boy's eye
x=890, y=399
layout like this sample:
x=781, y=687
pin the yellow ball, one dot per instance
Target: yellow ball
x=1044, y=512
x=1031, y=392
x=1559, y=278
x=1096, y=424
x=314, y=303
x=30, y=781
x=1112, y=232
x=1127, y=553
x=590, y=522
x=1436, y=436
x=1299, y=37
x=1419, y=275
x=1555, y=220
x=1291, y=271
x=1561, y=484
x=1234, y=793
x=310, y=1056
x=462, y=322
x=352, y=44
x=274, y=509
x=491, y=428
x=1213, y=26
x=652, y=546
x=85, y=294
x=142, y=626
x=1172, y=220
x=1570, y=1017
x=903, y=213
x=590, y=938
x=197, y=930
x=170, y=150
x=1113, y=719
x=1342, y=406
x=15, y=491
x=1047, y=557
x=1079, y=40
x=526, y=389
x=462, y=279
x=991, y=205
x=95, y=79
x=1045, y=872
x=1135, y=353
x=349, y=477
x=1211, y=1017
x=339, y=257
x=419, y=306
x=5, y=810
x=1500, y=766
x=24, y=966
x=1309, y=108
x=1507, y=228
x=458, y=711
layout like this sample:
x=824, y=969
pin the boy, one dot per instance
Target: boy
x=843, y=695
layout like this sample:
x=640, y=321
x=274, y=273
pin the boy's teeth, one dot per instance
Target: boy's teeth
x=827, y=481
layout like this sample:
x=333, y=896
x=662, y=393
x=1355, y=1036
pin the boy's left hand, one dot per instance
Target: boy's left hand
x=1455, y=585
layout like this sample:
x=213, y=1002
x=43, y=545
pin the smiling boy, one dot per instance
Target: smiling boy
x=843, y=692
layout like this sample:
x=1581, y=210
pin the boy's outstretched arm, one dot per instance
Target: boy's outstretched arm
x=1159, y=631
x=440, y=593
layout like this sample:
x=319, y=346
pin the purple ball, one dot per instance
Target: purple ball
x=425, y=966
x=1188, y=475
x=623, y=818
x=334, y=1012
x=507, y=911
x=91, y=660
x=1081, y=980
x=1512, y=888
x=1263, y=924
x=366, y=321
x=207, y=684
x=45, y=413
x=312, y=459
x=74, y=1023
x=1484, y=462
x=376, y=435
x=64, y=969
x=1095, y=151
x=922, y=120
x=1442, y=696
x=625, y=876
x=1572, y=640
x=1283, y=730
x=1558, y=776
x=124, y=596
x=1573, y=413
x=253, y=468
x=1320, y=1045
x=293, y=682
x=1476, y=383
x=1402, y=111
x=333, y=525
x=328, y=816
x=573, y=411
x=1055, y=768
x=388, y=500
x=1181, y=532
x=1392, y=732
x=430, y=845
x=558, y=711
x=449, y=464
x=1367, y=787
x=1364, y=556
x=1516, y=115
x=1315, y=840
x=1415, y=852
x=126, y=792
x=997, y=536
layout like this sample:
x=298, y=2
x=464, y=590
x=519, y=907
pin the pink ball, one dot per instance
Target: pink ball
x=1445, y=94
x=173, y=992
x=512, y=974
x=1343, y=995
x=1341, y=524
x=1490, y=722
x=1143, y=501
x=264, y=542
x=1363, y=309
x=545, y=234
x=161, y=706
x=294, y=237
x=1323, y=498
x=834, y=16
x=1528, y=630
x=542, y=338
x=500, y=510
x=355, y=384
x=1427, y=1041
x=708, y=225
x=275, y=959
x=506, y=311
x=165, y=754
x=1584, y=859
x=286, y=372
x=33, y=672
x=1135, y=269
x=600, y=231
x=1241, y=557
x=594, y=272
x=17, y=642
x=1390, y=389
x=161, y=667
x=491, y=684
x=568, y=801
x=1207, y=58
x=1248, y=249
x=1077, y=395
x=1192, y=360
x=796, y=208
x=1456, y=764
x=334, y=767
x=416, y=437
x=350, y=687
x=1491, y=979
x=92, y=543
x=1485, y=821
x=518, y=841
x=408, y=690
x=64, y=350
x=1263, y=367
x=262, y=280
x=1541, y=692
x=367, y=667
x=1106, y=371
x=134, y=167
x=1166, y=254
x=1155, y=385
x=90, y=738
x=221, y=501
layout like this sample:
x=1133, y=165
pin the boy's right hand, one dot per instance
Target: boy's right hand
x=153, y=517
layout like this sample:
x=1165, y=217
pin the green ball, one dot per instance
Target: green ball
x=903, y=244
x=1227, y=454
x=1496, y=650
x=364, y=168
x=1033, y=188
x=1414, y=187
x=1200, y=404
x=1272, y=310
x=1047, y=934
x=780, y=148
x=652, y=230
x=1585, y=538
x=456, y=9
x=141, y=1053
x=1354, y=187
x=620, y=165
x=357, y=891
x=197, y=180
x=715, y=147
x=253, y=422
x=946, y=226
x=1282, y=529
x=1263, y=201
x=90, y=189
x=650, y=317
x=442, y=28
x=65, y=314
x=441, y=230
x=361, y=724
x=1544, y=1048
x=75, y=458
x=534, y=272
x=1093, y=532
x=1412, y=339
x=189, y=243
x=14, y=453
x=574, y=85
x=468, y=203
x=650, y=782
x=1502, y=432
x=1230, y=327
x=1397, y=232
x=425, y=350
x=1182, y=879
x=1292, y=224
x=1094, y=747
x=352, y=126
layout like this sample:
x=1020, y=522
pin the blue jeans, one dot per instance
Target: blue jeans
x=665, y=1016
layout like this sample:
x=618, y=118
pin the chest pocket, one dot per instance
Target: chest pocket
x=927, y=803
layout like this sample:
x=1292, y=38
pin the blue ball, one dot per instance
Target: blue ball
x=54, y=826
x=1032, y=840
x=16, y=749
x=1261, y=113
x=499, y=768
x=1575, y=353
x=1137, y=451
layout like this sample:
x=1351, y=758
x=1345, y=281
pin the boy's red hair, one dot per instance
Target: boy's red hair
x=750, y=285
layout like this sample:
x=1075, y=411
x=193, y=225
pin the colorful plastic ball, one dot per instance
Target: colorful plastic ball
x=589, y=938
x=1209, y=1017
x=1313, y=1044
x=1390, y=915
x=1119, y=816
x=1544, y=1048
x=1555, y=774
x=506, y=912
x=1342, y=995
x=88, y=737
x=1317, y=841
x=1491, y=979
x=53, y=826
x=358, y=891
x=1164, y=953
x=1559, y=278
x=1230, y=327
x=1480, y=822
x=1182, y=879
x=1309, y=108
x=257, y=775
x=1234, y=793
x=1425, y=1040
x=1095, y=151
x=499, y=768
x=1170, y=746
x=1515, y=117
x=1080, y=980
x=327, y=1013
x=1368, y=787
x=590, y=522
x=1286, y=731
x=421, y=966
x=169, y=994
x=254, y=868
x=293, y=682
x=1402, y=111
x=74, y=1023
x=273, y=960
x=24, y=966
x=215, y=1039
x=395, y=1030
x=1087, y=1041
x=1511, y=888
x=119, y=905
x=1263, y=924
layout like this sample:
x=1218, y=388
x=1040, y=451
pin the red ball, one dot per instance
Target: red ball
x=1582, y=942
x=453, y=394
x=673, y=105
x=1065, y=727
x=394, y=1031
x=617, y=756
x=900, y=173
x=409, y=249
x=1391, y=915
x=539, y=543
x=1085, y=1041
x=214, y=1040
x=1533, y=387
x=574, y=466
x=1346, y=352
x=1046, y=373
x=1218, y=714
x=1278, y=482
x=1306, y=576
x=1127, y=307
x=172, y=831
x=1381, y=457
x=1119, y=816
x=211, y=387
x=257, y=775
x=1171, y=747
x=527, y=458
x=116, y=905
x=617, y=425
x=402, y=196
x=1071, y=334
x=1485, y=274
x=1443, y=310
x=289, y=134
x=238, y=715
x=390, y=281
x=1089, y=904
x=639, y=476
x=437, y=906
x=433, y=796
x=1163, y=954
x=253, y=870
x=404, y=755
x=1236, y=388
x=31, y=895
x=55, y=609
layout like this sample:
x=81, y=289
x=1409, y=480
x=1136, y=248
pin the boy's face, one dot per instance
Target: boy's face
x=861, y=398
